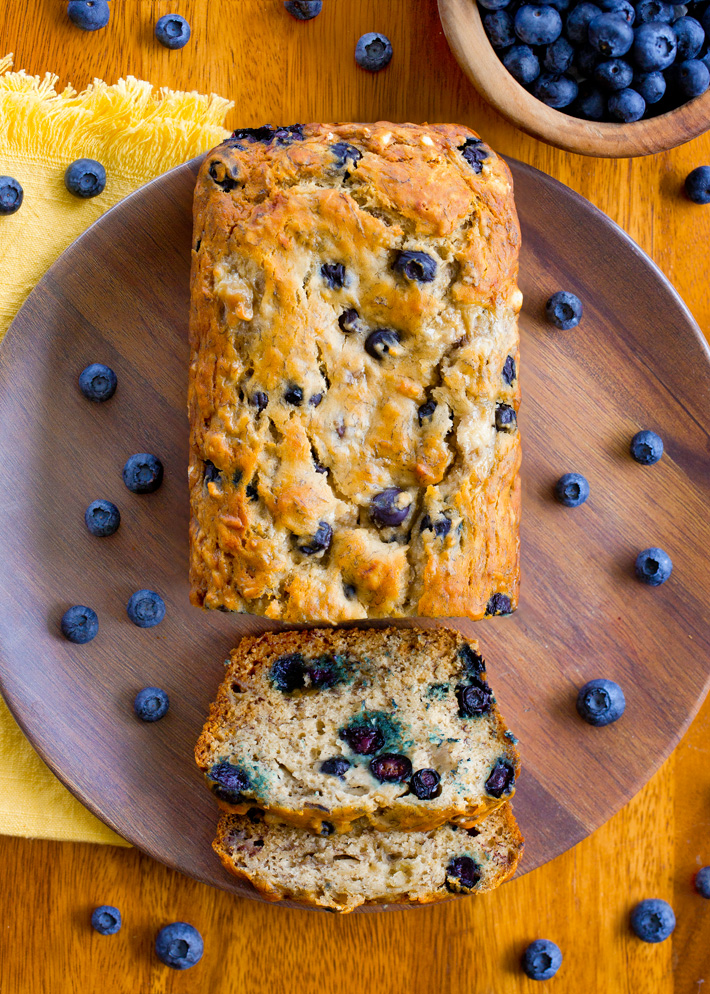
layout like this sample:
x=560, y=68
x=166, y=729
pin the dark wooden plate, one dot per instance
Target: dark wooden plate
x=120, y=295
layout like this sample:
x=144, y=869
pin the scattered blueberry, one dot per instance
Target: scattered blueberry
x=294, y=395
x=697, y=185
x=572, y=489
x=349, y=321
x=692, y=78
x=11, y=194
x=425, y=412
x=212, y=474
x=287, y=673
x=179, y=945
x=382, y=342
x=391, y=768
x=654, y=46
x=522, y=63
x=319, y=542
x=537, y=24
x=653, y=920
x=475, y=152
x=653, y=10
x=334, y=274
x=228, y=782
x=345, y=154
x=501, y=779
x=689, y=36
x=145, y=608
x=578, y=21
x=260, y=401
x=591, y=103
x=472, y=660
x=614, y=74
x=143, y=473
x=509, y=371
x=416, y=266
x=499, y=28
x=646, y=447
x=89, y=15
x=564, y=310
x=600, y=702
x=102, y=518
x=611, y=35
x=338, y=766
x=151, y=704
x=474, y=700
x=425, y=784
x=106, y=920
x=627, y=105
x=80, y=624
x=653, y=566
x=498, y=604
x=505, y=418
x=365, y=740
x=98, y=382
x=558, y=56
x=373, y=51
x=555, y=90
x=542, y=959
x=651, y=86
x=390, y=507
x=303, y=10
x=85, y=178
x=702, y=881
x=172, y=31
x=462, y=875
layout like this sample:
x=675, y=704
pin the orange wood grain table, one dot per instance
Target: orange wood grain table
x=278, y=70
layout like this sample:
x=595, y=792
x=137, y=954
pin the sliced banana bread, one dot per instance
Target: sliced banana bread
x=324, y=727
x=366, y=866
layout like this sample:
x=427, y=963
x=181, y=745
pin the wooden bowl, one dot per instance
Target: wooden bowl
x=467, y=38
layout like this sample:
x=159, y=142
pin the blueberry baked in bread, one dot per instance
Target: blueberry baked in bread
x=342, y=872
x=354, y=449
x=321, y=728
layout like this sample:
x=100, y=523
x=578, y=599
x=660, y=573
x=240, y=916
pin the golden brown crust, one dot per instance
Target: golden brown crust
x=264, y=321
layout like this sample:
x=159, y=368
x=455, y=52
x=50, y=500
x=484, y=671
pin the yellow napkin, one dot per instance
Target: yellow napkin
x=136, y=134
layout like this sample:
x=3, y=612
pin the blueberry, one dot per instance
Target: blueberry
x=80, y=624
x=320, y=542
x=418, y=267
x=697, y=185
x=572, y=489
x=474, y=700
x=691, y=78
x=251, y=492
x=349, y=321
x=229, y=782
x=365, y=740
x=600, y=702
x=590, y=103
x=655, y=46
x=334, y=274
x=564, y=310
x=653, y=566
x=506, y=420
x=462, y=875
x=555, y=90
x=501, y=779
x=578, y=21
x=98, y=382
x=541, y=960
x=338, y=766
x=315, y=399
x=288, y=673
x=145, y=608
x=558, y=56
x=212, y=474
x=259, y=400
x=475, y=152
x=151, y=704
x=373, y=51
x=537, y=25
x=143, y=473
x=389, y=507
x=627, y=105
x=391, y=768
x=89, y=15
x=426, y=411
x=651, y=86
x=611, y=35
x=294, y=395
x=499, y=28
x=85, y=178
x=560, y=5
x=179, y=945
x=172, y=31
x=587, y=59
x=509, y=371
x=11, y=194
x=102, y=518
x=345, y=154
x=646, y=447
x=522, y=64
x=614, y=74
x=653, y=920
x=284, y=135
x=441, y=527
x=498, y=604
x=106, y=920
x=702, y=881
x=472, y=660
x=382, y=342
x=690, y=37
x=303, y=10
x=621, y=7
x=425, y=784
x=653, y=10
x=494, y=4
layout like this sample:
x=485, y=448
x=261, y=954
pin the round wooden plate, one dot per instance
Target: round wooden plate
x=120, y=295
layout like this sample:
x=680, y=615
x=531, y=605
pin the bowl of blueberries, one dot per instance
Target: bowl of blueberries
x=599, y=77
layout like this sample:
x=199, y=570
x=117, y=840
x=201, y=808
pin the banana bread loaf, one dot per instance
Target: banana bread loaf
x=324, y=727
x=343, y=872
x=354, y=450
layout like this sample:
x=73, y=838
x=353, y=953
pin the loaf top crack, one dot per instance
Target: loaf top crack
x=354, y=449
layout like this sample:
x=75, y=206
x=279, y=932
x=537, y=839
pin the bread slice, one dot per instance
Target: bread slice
x=365, y=866
x=324, y=727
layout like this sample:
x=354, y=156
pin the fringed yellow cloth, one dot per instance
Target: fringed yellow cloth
x=137, y=133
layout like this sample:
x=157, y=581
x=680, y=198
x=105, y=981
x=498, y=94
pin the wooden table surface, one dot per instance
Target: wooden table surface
x=287, y=72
